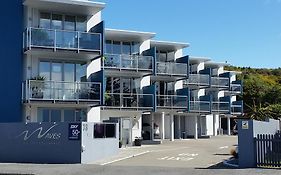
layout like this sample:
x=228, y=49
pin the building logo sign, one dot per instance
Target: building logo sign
x=74, y=131
x=245, y=125
x=41, y=134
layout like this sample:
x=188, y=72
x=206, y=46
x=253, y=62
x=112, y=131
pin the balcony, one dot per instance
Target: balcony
x=237, y=108
x=198, y=80
x=172, y=101
x=219, y=82
x=199, y=107
x=39, y=38
x=77, y=92
x=129, y=101
x=128, y=62
x=171, y=69
x=236, y=88
x=220, y=107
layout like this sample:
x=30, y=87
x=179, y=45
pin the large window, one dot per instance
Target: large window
x=61, y=115
x=122, y=85
x=122, y=47
x=63, y=71
x=165, y=56
x=63, y=22
x=102, y=130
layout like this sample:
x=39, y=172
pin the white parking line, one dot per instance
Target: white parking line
x=223, y=147
x=123, y=158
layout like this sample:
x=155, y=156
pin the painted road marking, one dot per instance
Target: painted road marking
x=223, y=147
x=117, y=160
x=180, y=157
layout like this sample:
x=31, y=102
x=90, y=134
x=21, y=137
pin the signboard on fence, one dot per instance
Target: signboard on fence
x=74, y=131
x=245, y=125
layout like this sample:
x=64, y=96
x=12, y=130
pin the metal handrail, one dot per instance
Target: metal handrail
x=122, y=96
x=28, y=32
x=200, y=109
x=171, y=68
x=198, y=79
x=219, y=106
x=120, y=58
x=56, y=90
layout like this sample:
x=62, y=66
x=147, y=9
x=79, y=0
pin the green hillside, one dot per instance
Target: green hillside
x=261, y=92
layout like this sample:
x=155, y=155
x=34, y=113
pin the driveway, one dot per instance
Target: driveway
x=200, y=153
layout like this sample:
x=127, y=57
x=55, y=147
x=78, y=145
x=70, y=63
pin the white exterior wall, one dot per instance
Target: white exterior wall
x=94, y=114
x=179, y=53
x=167, y=127
x=220, y=94
x=93, y=67
x=232, y=78
x=145, y=46
x=216, y=124
x=201, y=92
x=145, y=81
x=94, y=20
x=179, y=85
x=201, y=66
x=209, y=125
x=220, y=70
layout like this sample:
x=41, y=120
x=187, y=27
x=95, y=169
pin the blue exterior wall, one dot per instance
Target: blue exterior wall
x=11, y=16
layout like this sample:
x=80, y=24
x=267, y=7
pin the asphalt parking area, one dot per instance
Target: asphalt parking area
x=202, y=153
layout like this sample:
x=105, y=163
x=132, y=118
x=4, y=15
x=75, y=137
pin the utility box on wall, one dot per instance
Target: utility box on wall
x=55, y=143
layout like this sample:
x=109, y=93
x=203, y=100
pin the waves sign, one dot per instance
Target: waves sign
x=74, y=131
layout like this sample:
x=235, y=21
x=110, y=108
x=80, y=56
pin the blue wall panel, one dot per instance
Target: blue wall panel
x=11, y=16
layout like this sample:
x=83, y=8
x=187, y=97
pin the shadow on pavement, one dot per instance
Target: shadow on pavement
x=219, y=166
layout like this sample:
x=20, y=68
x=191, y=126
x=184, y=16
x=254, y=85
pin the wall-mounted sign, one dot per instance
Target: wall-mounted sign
x=74, y=131
x=245, y=125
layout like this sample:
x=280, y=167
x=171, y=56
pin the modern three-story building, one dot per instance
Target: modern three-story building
x=69, y=67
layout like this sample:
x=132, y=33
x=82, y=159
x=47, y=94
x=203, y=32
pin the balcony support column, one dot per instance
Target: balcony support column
x=163, y=126
x=228, y=126
x=215, y=133
x=172, y=134
x=152, y=126
x=179, y=127
x=195, y=127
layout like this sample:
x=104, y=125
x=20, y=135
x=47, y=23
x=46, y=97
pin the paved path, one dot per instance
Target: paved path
x=195, y=157
x=192, y=153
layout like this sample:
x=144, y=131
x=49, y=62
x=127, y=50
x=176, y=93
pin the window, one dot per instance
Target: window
x=63, y=22
x=116, y=47
x=60, y=71
x=108, y=46
x=61, y=115
x=69, y=23
x=81, y=23
x=99, y=131
x=56, y=22
x=45, y=70
x=126, y=48
x=45, y=20
x=102, y=130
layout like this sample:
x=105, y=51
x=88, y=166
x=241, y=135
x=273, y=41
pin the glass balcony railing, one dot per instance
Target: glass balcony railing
x=127, y=100
x=220, y=82
x=198, y=79
x=237, y=107
x=170, y=68
x=128, y=62
x=199, y=106
x=61, y=91
x=172, y=101
x=236, y=88
x=62, y=39
x=220, y=107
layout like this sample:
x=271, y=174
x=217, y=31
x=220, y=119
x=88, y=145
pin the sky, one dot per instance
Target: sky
x=244, y=33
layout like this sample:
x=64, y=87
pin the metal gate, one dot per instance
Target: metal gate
x=268, y=150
